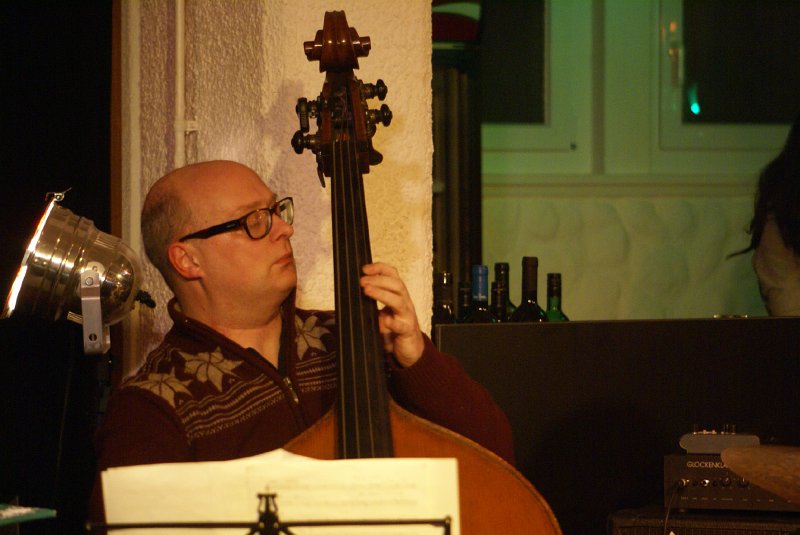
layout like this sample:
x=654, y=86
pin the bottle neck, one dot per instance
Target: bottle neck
x=501, y=275
x=443, y=296
x=499, y=301
x=480, y=289
x=529, y=296
x=443, y=288
x=553, y=294
x=554, y=291
x=530, y=275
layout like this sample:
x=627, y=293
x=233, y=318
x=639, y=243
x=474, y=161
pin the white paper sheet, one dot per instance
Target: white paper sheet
x=307, y=489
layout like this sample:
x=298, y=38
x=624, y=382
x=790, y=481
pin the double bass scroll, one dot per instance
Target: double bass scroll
x=493, y=496
x=341, y=109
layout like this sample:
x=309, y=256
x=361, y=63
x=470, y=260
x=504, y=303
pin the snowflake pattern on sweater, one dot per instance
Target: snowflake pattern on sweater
x=213, y=390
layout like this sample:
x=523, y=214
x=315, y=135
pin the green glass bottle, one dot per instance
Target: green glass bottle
x=554, y=311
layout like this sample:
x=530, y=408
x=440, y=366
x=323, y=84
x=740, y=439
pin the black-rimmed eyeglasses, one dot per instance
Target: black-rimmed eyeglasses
x=257, y=223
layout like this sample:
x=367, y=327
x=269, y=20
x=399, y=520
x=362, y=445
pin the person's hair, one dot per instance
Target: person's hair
x=164, y=215
x=778, y=195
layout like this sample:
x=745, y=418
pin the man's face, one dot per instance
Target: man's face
x=256, y=273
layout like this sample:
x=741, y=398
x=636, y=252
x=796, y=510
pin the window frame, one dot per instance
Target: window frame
x=563, y=142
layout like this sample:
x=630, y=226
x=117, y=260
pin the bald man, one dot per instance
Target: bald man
x=242, y=370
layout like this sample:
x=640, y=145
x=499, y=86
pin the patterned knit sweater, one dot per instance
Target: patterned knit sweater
x=200, y=396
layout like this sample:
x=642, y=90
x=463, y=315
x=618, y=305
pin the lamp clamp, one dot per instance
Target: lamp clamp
x=96, y=335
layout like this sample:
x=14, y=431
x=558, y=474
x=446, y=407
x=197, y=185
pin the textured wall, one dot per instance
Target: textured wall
x=628, y=254
x=245, y=69
x=154, y=137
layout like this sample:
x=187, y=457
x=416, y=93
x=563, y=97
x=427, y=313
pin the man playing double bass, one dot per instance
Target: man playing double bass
x=242, y=370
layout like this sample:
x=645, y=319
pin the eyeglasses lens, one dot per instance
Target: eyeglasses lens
x=258, y=224
x=285, y=210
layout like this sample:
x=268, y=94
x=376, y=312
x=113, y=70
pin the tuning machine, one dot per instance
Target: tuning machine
x=374, y=117
x=382, y=115
x=378, y=89
x=302, y=140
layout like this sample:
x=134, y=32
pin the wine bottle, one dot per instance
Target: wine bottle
x=499, y=302
x=554, y=312
x=529, y=309
x=442, y=300
x=480, y=296
x=501, y=277
x=464, y=301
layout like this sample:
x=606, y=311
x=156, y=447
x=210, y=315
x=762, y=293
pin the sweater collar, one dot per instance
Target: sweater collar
x=182, y=322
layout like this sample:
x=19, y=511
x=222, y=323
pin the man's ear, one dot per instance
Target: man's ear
x=184, y=261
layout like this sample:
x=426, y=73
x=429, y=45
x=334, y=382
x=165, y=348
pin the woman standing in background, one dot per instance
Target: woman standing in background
x=775, y=230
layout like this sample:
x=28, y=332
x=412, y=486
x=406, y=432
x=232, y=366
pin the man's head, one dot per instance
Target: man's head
x=219, y=268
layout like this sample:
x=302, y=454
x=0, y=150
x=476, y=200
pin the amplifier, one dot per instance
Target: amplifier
x=693, y=481
x=650, y=521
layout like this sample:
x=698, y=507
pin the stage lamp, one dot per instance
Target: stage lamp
x=72, y=269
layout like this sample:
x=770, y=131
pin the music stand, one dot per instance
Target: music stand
x=269, y=523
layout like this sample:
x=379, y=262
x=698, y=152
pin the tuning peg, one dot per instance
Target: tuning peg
x=383, y=116
x=301, y=142
x=378, y=89
x=302, y=113
x=375, y=157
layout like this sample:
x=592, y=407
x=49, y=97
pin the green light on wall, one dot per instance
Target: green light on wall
x=694, y=102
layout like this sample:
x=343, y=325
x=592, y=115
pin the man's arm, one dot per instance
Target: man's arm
x=438, y=389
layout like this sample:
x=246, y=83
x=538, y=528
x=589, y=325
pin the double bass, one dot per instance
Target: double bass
x=365, y=422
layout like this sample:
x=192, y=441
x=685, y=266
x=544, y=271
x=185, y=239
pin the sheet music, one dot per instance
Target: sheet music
x=307, y=489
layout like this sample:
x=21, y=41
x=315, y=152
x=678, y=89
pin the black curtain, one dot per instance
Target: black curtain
x=56, y=63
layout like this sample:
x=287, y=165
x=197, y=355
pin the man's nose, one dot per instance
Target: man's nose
x=280, y=228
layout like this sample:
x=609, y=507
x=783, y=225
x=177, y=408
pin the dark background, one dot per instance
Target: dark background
x=55, y=59
x=596, y=405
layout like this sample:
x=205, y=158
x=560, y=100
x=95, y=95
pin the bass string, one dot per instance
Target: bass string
x=353, y=252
